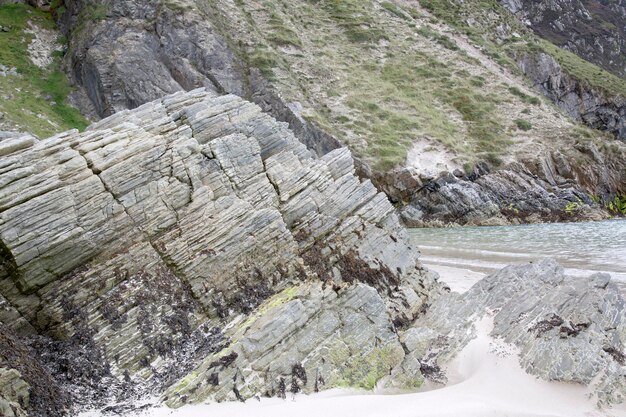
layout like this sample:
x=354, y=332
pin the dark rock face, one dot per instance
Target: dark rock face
x=26, y=386
x=111, y=42
x=592, y=29
x=596, y=109
x=134, y=52
x=555, y=188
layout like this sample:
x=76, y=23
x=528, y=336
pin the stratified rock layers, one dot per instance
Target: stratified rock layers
x=141, y=247
x=565, y=328
x=193, y=249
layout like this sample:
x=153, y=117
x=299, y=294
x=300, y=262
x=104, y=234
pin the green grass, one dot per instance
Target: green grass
x=354, y=17
x=523, y=124
x=395, y=10
x=528, y=99
x=414, y=96
x=32, y=94
x=381, y=78
x=281, y=34
x=443, y=40
x=488, y=14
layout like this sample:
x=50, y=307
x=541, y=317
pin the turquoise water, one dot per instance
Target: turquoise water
x=582, y=248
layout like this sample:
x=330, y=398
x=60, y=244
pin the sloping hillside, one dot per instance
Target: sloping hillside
x=33, y=88
x=418, y=91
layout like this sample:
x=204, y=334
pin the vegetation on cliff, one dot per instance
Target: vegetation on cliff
x=34, y=98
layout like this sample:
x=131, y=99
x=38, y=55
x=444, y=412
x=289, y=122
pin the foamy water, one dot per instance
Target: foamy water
x=581, y=248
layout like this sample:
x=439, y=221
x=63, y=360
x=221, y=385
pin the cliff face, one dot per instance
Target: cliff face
x=593, y=30
x=417, y=90
x=193, y=249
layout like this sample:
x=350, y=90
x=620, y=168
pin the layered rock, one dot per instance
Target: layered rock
x=564, y=328
x=556, y=187
x=193, y=249
x=195, y=237
x=192, y=44
x=601, y=110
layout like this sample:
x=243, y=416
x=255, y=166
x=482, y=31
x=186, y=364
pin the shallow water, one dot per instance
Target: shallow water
x=582, y=248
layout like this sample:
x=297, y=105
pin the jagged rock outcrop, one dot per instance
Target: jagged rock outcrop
x=110, y=42
x=193, y=249
x=192, y=44
x=595, y=108
x=565, y=328
x=189, y=237
x=554, y=188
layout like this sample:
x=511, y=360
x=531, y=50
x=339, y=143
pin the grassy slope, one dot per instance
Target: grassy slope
x=382, y=76
x=28, y=99
x=486, y=15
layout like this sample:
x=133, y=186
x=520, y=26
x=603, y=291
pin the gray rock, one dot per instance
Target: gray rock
x=545, y=189
x=566, y=329
x=165, y=238
x=597, y=109
x=594, y=31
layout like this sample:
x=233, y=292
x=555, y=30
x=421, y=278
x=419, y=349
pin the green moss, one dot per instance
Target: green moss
x=274, y=301
x=37, y=97
x=617, y=205
x=361, y=371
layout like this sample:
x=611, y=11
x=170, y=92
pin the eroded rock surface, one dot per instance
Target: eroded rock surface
x=556, y=187
x=598, y=109
x=193, y=249
x=565, y=328
x=592, y=29
x=197, y=230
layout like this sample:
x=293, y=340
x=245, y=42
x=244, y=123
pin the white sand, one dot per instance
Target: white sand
x=485, y=381
x=458, y=279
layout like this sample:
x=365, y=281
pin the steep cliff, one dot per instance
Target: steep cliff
x=593, y=30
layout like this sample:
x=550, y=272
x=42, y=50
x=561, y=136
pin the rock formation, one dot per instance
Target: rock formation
x=193, y=249
x=593, y=30
x=556, y=187
x=189, y=237
x=598, y=109
x=565, y=329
